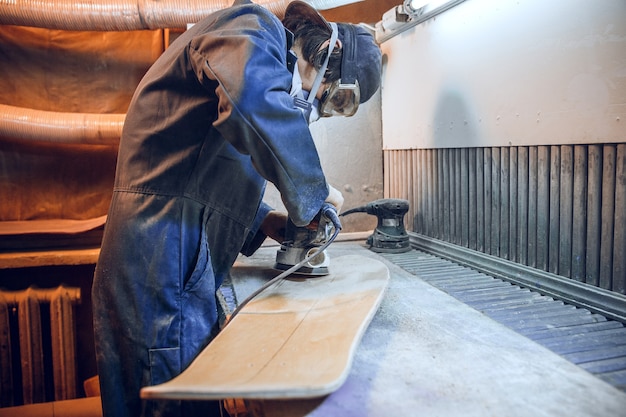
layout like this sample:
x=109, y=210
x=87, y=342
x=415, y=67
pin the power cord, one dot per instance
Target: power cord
x=327, y=210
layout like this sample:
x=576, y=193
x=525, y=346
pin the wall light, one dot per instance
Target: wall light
x=414, y=8
x=408, y=14
x=392, y=19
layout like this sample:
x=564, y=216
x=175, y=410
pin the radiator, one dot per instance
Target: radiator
x=37, y=345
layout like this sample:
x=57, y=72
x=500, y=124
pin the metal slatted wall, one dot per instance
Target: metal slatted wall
x=559, y=209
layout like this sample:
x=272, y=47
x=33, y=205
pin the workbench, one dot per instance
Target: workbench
x=427, y=354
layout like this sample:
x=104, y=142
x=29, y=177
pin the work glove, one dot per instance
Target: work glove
x=335, y=198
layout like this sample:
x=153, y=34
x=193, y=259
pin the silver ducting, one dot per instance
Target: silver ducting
x=71, y=128
x=120, y=15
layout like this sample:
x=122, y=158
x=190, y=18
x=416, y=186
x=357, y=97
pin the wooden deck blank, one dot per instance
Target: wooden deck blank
x=296, y=339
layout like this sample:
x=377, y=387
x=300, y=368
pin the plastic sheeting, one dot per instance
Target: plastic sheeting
x=69, y=71
x=72, y=71
x=66, y=92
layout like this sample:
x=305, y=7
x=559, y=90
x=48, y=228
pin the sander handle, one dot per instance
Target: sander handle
x=330, y=212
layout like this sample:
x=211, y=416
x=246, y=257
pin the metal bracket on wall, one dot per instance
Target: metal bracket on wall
x=384, y=32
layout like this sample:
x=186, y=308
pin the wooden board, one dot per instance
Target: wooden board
x=296, y=339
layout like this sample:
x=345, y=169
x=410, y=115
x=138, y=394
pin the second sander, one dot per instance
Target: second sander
x=390, y=235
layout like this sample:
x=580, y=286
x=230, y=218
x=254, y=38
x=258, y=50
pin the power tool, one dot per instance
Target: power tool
x=309, y=242
x=390, y=235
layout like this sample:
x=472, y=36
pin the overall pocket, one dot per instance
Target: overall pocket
x=202, y=267
x=164, y=364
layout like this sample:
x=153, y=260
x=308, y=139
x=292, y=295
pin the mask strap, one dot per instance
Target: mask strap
x=322, y=70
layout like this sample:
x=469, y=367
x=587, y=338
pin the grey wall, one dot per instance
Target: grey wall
x=504, y=126
x=350, y=152
x=508, y=73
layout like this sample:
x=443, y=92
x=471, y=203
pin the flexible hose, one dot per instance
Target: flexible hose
x=329, y=211
x=59, y=127
x=114, y=15
x=104, y=15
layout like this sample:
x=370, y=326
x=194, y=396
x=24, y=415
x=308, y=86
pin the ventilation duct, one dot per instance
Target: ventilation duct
x=104, y=15
x=71, y=128
x=121, y=15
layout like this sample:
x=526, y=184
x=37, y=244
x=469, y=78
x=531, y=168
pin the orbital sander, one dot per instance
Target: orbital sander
x=390, y=234
x=306, y=245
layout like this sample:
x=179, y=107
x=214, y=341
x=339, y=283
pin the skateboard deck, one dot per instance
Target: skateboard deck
x=296, y=339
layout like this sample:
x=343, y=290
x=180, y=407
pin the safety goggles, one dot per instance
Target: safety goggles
x=340, y=99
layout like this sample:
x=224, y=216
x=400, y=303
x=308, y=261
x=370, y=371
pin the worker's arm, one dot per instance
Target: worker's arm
x=256, y=112
x=267, y=223
x=274, y=225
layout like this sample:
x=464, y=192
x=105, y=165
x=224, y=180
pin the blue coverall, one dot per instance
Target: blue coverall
x=210, y=122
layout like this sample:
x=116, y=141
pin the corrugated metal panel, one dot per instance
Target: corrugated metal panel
x=560, y=209
x=589, y=340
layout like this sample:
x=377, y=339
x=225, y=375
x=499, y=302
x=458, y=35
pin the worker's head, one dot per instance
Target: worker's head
x=352, y=74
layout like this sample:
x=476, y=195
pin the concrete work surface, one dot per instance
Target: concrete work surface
x=427, y=354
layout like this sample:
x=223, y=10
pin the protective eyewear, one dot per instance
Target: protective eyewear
x=340, y=99
x=343, y=96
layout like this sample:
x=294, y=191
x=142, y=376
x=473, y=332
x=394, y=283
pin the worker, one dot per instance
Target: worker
x=225, y=108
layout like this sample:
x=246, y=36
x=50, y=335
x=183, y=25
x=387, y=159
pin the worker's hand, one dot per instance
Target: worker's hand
x=335, y=198
x=274, y=225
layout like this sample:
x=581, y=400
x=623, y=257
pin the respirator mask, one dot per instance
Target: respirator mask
x=304, y=100
x=310, y=110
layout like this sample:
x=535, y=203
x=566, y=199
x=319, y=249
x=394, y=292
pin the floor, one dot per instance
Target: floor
x=426, y=353
x=589, y=340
